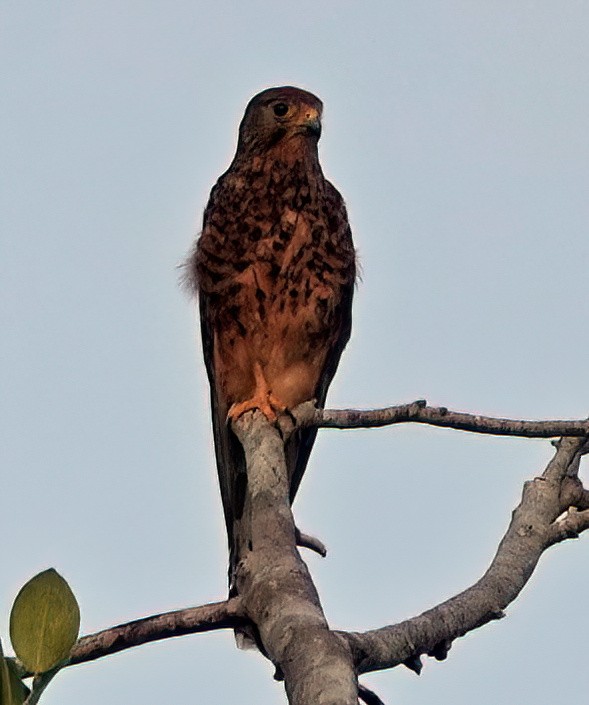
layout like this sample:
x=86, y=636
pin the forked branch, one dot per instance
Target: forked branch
x=278, y=604
x=541, y=519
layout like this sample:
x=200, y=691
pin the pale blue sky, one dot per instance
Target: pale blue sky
x=457, y=132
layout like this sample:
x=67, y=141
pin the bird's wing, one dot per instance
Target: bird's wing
x=301, y=445
x=229, y=454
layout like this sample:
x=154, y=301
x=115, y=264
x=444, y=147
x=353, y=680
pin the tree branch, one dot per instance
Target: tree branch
x=274, y=584
x=418, y=412
x=276, y=596
x=310, y=542
x=217, y=615
x=570, y=526
x=533, y=528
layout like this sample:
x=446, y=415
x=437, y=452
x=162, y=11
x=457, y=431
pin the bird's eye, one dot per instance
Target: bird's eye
x=280, y=109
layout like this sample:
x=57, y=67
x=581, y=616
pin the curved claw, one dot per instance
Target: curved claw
x=268, y=404
x=263, y=400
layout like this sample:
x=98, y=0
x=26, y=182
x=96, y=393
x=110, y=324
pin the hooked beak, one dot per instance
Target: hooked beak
x=311, y=123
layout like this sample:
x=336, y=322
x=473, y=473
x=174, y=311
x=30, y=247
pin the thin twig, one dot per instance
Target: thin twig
x=217, y=615
x=310, y=542
x=418, y=412
x=41, y=682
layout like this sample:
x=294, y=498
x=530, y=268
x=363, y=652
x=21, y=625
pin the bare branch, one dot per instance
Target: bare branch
x=217, y=615
x=277, y=598
x=418, y=412
x=531, y=531
x=310, y=542
x=572, y=524
x=41, y=682
x=274, y=584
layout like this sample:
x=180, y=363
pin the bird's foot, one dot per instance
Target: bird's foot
x=263, y=400
x=267, y=403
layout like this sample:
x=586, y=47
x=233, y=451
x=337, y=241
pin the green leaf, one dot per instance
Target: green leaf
x=44, y=621
x=12, y=690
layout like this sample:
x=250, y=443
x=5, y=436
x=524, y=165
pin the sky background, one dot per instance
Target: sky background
x=457, y=132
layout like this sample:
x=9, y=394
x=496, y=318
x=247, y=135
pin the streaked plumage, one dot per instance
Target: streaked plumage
x=274, y=269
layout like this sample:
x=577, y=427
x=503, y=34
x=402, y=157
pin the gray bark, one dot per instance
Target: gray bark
x=274, y=585
x=277, y=602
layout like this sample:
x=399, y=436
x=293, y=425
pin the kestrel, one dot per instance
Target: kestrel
x=274, y=270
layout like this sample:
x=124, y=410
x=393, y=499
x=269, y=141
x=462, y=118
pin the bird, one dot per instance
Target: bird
x=274, y=270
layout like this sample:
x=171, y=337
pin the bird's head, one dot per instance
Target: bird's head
x=279, y=114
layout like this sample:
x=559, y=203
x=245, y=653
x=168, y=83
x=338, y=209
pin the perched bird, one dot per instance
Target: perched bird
x=274, y=270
